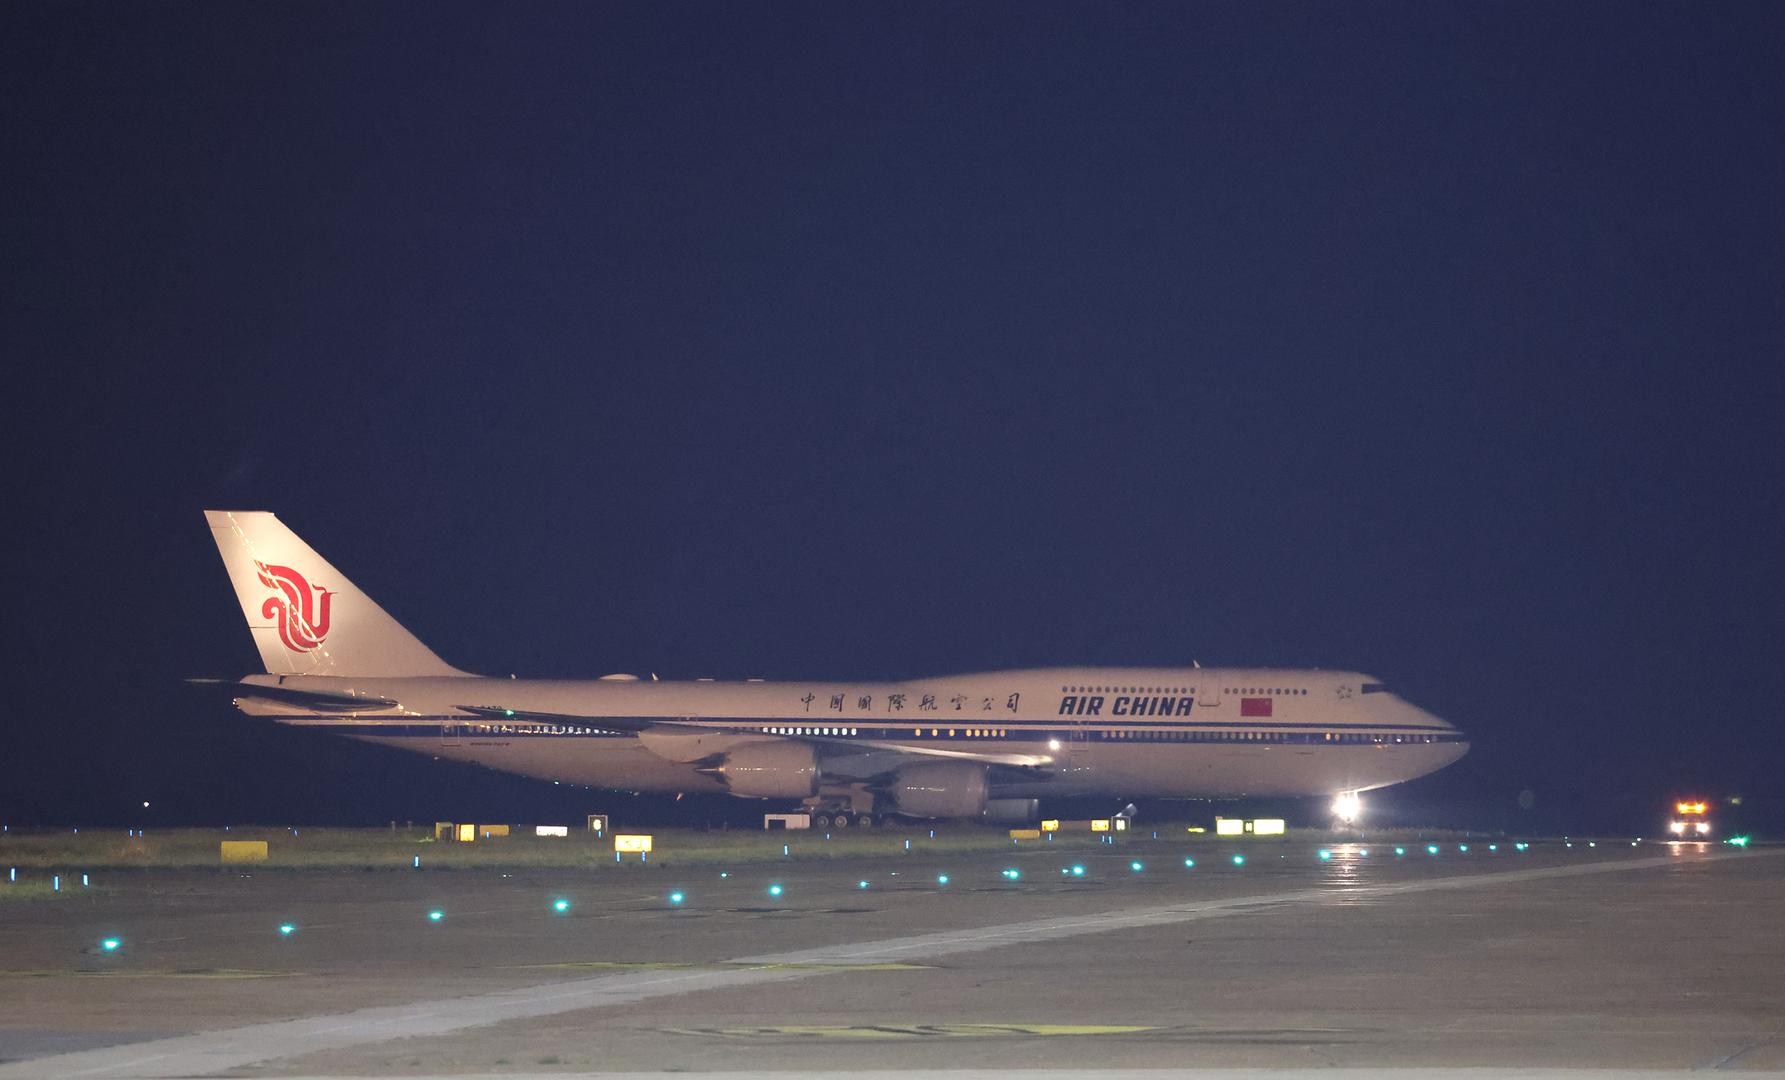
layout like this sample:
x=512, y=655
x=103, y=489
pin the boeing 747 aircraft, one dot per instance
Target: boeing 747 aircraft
x=951, y=746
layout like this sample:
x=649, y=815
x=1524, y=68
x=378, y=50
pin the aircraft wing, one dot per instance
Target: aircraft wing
x=637, y=724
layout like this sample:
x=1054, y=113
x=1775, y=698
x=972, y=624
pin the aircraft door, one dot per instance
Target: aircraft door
x=1208, y=690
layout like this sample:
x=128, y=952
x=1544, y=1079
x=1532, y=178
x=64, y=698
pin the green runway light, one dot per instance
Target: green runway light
x=941, y=879
x=1012, y=874
x=560, y=905
x=1464, y=848
x=775, y=890
x=861, y=884
x=1078, y=871
x=1325, y=855
x=436, y=915
x=1364, y=854
x=1739, y=841
x=1431, y=849
x=111, y=944
x=1239, y=860
x=286, y=929
x=1521, y=845
x=1400, y=851
x=1189, y=864
x=1493, y=847
x=725, y=873
x=1136, y=867
x=676, y=897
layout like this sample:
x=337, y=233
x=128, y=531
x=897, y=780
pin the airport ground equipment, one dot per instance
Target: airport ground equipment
x=1691, y=820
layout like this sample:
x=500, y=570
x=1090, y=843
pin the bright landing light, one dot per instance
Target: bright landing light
x=1348, y=806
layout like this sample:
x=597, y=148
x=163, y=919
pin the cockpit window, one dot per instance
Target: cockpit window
x=1375, y=688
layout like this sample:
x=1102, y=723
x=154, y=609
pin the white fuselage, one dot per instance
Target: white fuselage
x=1127, y=732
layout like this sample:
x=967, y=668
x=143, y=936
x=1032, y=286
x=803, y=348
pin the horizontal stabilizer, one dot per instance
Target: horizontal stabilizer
x=312, y=700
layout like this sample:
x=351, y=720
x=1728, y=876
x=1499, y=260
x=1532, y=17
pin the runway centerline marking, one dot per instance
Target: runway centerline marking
x=209, y=1053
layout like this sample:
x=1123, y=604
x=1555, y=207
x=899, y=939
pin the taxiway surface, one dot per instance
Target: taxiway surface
x=1610, y=956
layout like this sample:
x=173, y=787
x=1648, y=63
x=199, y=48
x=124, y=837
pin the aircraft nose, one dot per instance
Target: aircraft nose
x=1454, y=736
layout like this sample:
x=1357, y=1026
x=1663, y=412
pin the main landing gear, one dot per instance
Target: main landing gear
x=844, y=819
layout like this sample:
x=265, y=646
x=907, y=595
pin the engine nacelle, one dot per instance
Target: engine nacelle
x=769, y=770
x=950, y=789
x=1012, y=811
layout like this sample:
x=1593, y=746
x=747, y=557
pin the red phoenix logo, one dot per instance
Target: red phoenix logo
x=302, y=609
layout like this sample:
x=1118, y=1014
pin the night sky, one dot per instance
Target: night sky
x=1439, y=341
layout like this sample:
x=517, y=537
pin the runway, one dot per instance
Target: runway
x=1551, y=957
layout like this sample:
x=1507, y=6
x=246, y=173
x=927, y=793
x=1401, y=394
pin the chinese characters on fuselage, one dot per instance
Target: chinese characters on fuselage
x=925, y=702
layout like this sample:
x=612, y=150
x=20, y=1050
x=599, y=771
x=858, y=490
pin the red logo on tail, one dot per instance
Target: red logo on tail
x=302, y=610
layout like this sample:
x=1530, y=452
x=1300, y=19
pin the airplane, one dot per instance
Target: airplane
x=988, y=745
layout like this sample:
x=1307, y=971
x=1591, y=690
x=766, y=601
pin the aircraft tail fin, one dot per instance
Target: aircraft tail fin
x=306, y=617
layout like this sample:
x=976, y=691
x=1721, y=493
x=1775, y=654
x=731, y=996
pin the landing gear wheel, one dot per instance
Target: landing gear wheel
x=865, y=821
x=821, y=821
x=841, y=821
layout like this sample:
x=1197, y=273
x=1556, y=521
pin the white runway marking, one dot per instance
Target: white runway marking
x=210, y=1053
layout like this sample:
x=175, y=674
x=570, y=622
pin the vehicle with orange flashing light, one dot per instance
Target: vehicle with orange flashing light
x=1690, y=820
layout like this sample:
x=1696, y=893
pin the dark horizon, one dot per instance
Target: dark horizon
x=1442, y=343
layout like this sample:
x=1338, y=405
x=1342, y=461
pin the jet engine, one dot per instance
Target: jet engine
x=1012, y=811
x=768, y=770
x=951, y=789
